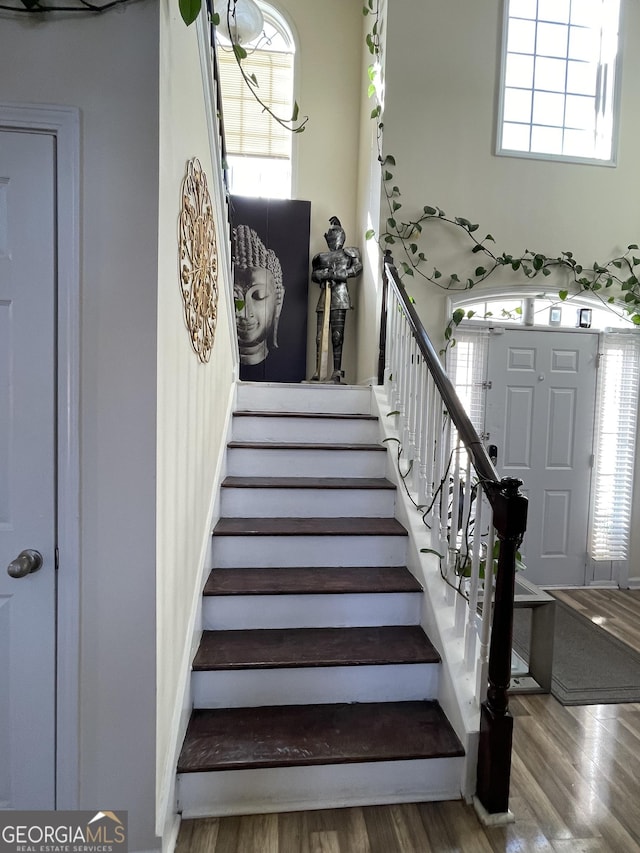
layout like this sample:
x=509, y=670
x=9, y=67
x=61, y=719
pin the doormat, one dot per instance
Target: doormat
x=590, y=667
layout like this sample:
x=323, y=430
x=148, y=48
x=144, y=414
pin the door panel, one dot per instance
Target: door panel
x=518, y=438
x=555, y=523
x=540, y=413
x=561, y=424
x=27, y=468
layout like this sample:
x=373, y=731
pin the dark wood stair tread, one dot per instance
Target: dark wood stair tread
x=317, y=581
x=275, y=648
x=289, y=735
x=300, y=445
x=356, y=526
x=307, y=483
x=344, y=416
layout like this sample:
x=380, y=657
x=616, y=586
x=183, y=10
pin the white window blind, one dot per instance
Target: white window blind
x=616, y=423
x=467, y=367
x=249, y=131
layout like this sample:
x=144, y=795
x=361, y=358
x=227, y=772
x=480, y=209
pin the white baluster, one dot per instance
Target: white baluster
x=389, y=345
x=466, y=508
x=389, y=341
x=432, y=445
x=442, y=503
x=482, y=670
x=418, y=424
x=472, y=621
x=424, y=445
x=460, y=606
x=411, y=405
x=392, y=347
x=402, y=382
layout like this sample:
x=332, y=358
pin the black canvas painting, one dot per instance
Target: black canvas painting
x=271, y=277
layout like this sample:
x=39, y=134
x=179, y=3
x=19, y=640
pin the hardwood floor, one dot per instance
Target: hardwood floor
x=575, y=785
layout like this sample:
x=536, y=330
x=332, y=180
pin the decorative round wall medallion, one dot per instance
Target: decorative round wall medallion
x=198, y=261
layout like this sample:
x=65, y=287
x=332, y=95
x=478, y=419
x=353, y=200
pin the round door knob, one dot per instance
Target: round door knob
x=25, y=563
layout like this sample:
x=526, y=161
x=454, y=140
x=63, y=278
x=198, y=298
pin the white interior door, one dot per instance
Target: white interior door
x=27, y=469
x=540, y=415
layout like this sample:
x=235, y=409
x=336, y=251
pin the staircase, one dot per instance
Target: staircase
x=314, y=684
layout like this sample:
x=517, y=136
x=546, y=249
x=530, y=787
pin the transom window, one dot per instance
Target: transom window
x=559, y=79
x=545, y=309
x=259, y=150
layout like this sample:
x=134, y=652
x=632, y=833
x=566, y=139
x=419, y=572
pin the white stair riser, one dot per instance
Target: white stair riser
x=231, y=552
x=253, y=688
x=297, y=462
x=256, y=502
x=350, y=610
x=283, y=428
x=278, y=397
x=281, y=789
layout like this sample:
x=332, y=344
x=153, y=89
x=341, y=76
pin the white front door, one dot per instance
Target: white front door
x=540, y=415
x=27, y=470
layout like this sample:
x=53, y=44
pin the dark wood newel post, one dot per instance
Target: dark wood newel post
x=496, y=723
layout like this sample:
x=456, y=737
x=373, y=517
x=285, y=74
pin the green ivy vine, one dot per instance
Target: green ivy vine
x=189, y=11
x=601, y=279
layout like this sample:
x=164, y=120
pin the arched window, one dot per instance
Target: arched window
x=258, y=148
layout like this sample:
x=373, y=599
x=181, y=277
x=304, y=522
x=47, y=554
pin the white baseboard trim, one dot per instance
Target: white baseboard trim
x=170, y=839
x=166, y=806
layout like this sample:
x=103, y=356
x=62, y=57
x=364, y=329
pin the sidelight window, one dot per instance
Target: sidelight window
x=614, y=440
x=616, y=427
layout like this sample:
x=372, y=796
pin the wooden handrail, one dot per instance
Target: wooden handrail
x=482, y=463
x=509, y=520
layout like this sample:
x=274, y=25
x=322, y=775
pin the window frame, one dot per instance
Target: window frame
x=282, y=23
x=610, y=532
x=501, y=151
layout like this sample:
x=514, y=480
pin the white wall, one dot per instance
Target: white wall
x=369, y=197
x=107, y=66
x=152, y=417
x=193, y=398
x=442, y=74
x=442, y=71
x=329, y=77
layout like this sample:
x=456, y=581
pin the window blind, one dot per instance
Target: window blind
x=467, y=367
x=249, y=131
x=616, y=422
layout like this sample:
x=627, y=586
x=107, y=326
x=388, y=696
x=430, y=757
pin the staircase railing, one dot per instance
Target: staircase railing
x=466, y=505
